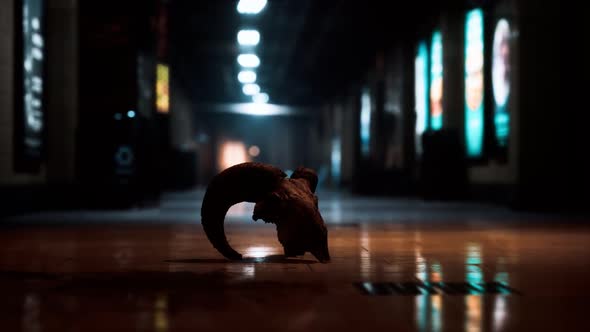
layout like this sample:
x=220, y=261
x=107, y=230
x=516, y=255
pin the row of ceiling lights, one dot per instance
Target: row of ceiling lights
x=250, y=61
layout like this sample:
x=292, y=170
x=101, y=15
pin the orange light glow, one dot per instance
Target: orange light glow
x=232, y=153
x=254, y=151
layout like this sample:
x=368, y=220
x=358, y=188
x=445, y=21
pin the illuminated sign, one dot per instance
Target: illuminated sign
x=436, y=82
x=365, y=122
x=474, y=83
x=501, y=80
x=420, y=92
x=31, y=119
x=162, y=88
x=336, y=159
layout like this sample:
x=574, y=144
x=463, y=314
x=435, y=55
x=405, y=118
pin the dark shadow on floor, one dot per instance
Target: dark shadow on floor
x=183, y=286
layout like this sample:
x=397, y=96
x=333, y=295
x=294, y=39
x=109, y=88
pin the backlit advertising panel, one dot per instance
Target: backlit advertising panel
x=29, y=119
x=436, y=82
x=474, y=83
x=162, y=88
x=420, y=92
x=501, y=81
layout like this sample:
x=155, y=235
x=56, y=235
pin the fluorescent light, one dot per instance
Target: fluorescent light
x=248, y=37
x=247, y=76
x=260, y=98
x=251, y=108
x=251, y=89
x=248, y=60
x=251, y=6
x=261, y=109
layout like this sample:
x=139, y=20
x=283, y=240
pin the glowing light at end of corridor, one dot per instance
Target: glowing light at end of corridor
x=248, y=37
x=251, y=6
x=249, y=60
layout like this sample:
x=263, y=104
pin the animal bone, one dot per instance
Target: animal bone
x=289, y=203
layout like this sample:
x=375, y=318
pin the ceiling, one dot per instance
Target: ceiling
x=309, y=50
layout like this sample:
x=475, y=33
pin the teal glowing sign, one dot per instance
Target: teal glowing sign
x=501, y=81
x=436, y=82
x=474, y=83
x=420, y=92
x=336, y=160
x=365, y=123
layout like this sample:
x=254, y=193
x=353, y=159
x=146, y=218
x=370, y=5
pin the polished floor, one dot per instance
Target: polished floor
x=393, y=264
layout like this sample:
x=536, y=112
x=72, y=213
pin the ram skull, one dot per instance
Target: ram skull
x=289, y=203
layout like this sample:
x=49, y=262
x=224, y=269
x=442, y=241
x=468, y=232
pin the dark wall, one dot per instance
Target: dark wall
x=116, y=139
x=552, y=173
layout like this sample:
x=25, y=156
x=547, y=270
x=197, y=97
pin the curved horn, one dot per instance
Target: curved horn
x=246, y=182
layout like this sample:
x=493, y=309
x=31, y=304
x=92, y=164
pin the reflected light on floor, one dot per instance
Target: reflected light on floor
x=161, y=313
x=473, y=263
x=500, y=313
x=32, y=313
x=364, y=252
x=248, y=271
x=436, y=307
x=428, y=307
x=259, y=252
x=421, y=273
x=429, y=312
x=474, y=275
x=422, y=312
x=473, y=310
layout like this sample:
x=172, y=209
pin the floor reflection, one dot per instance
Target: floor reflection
x=161, y=313
x=500, y=313
x=436, y=308
x=474, y=276
x=473, y=264
x=32, y=313
x=169, y=277
x=365, y=252
x=429, y=308
x=248, y=271
x=473, y=310
x=421, y=267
